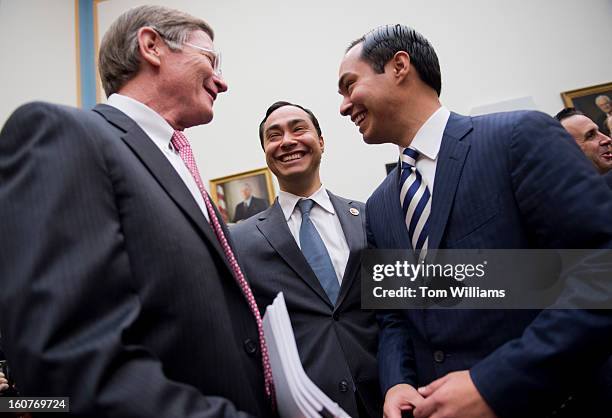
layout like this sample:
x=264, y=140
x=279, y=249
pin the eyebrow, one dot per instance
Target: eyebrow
x=291, y=124
x=341, y=82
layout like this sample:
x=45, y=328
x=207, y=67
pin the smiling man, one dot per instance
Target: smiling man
x=596, y=145
x=307, y=245
x=512, y=180
x=120, y=289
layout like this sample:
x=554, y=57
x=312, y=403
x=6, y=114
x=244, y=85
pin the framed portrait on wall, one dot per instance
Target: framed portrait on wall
x=242, y=195
x=594, y=101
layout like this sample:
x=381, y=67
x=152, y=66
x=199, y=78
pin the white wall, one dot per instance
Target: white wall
x=37, y=53
x=490, y=51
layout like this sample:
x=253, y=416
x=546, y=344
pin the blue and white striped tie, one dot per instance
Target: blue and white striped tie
x=416, y=202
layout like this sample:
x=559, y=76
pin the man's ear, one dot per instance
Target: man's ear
x=150, y=45
x=400, y=65
x=322, y=143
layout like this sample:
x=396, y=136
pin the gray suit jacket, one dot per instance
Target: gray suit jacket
x=337, y=344
x=115, y=290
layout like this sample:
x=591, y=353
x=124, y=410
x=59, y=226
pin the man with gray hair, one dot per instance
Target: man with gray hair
x=120, y=285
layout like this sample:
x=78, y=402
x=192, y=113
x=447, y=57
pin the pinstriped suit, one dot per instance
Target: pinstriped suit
x=502, y=181
x=115, y=290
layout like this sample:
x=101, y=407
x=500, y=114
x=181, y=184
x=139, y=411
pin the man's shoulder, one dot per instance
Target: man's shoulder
x=40, y=109
x=507, y=120
x=350, y=202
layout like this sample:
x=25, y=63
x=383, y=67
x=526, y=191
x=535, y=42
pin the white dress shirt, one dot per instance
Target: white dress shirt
x=427, y=142
x=326, y=222
x=160, y=132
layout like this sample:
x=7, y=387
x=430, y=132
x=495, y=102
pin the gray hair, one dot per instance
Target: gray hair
x=119, y=58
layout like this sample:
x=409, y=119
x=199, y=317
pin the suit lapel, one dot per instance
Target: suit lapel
x=453, y=152
x=353, y=227
x=273, y=225
x=161, y=169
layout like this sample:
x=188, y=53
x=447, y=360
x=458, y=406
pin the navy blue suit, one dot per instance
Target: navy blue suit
x=504, y=180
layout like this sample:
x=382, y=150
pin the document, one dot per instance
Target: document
x=296, y=395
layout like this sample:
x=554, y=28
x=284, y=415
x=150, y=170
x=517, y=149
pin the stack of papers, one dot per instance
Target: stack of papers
x=296, y=395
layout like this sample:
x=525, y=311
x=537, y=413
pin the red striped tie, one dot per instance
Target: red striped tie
x=181, y=144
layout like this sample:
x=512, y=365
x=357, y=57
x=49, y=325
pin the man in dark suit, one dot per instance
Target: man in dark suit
x=507, y=180
x=595, y=145
x=335, y=338
x=251, y=205
x=119, y=288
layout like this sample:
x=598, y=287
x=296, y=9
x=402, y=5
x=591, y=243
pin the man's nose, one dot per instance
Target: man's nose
x=288, y=140
x=220, y=83
x=345, y=107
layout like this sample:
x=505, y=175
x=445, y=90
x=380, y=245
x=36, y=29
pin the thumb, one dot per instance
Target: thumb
x=432, y=387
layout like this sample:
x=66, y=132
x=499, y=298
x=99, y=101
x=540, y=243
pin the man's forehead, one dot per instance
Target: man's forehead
x=578, y=124
x=200, y=38
x=285, y=115
x=352, y=56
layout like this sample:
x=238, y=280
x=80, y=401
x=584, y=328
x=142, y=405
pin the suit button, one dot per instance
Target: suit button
x=439, y=356
x=343, y=386
x=336, y=316
x=250, y=347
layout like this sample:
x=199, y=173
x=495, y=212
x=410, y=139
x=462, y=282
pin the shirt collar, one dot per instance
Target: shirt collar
x=428, y=138
x=156, y=127
x=288, y=201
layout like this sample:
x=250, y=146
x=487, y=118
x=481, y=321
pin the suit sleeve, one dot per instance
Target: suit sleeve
x=67, y=300
x=395, y=354
x=567, y=205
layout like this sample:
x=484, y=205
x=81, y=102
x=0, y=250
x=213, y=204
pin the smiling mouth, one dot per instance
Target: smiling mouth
x=212, y=93
x=291, y=157
x=359, y=117
x=607, y=155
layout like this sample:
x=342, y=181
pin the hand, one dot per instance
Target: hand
x=400, y=398
x=3, y=382
x=452, y=396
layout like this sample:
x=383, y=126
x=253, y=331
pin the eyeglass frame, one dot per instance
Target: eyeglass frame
x=216, y=64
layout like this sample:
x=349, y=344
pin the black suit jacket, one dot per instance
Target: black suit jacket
x=243, y=212
x=116, y=292
x=337, y=344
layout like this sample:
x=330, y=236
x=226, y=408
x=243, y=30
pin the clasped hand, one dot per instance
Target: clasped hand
x=451, y=396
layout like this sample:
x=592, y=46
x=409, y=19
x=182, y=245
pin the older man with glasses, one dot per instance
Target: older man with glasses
x=120, y=286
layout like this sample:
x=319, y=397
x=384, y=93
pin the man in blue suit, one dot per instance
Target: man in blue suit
x=503, y=181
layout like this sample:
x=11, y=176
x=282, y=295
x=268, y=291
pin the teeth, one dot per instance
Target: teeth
x=291, y=157
x=359, y=118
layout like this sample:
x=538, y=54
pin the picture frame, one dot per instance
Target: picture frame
x=584, y=98
x=230, y=192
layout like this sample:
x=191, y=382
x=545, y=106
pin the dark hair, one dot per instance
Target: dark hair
x=381, y=44
x=280, y=104
x=568, y=112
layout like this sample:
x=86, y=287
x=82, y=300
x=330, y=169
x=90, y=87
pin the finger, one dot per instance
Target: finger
x=3, y=386
x=426, y=408
x=433, y=386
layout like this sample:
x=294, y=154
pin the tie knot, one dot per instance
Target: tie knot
x=179, y=141
x=305, y=205
x=409, y=157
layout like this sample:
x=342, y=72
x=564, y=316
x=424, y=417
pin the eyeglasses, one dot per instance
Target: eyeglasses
x=215, y=60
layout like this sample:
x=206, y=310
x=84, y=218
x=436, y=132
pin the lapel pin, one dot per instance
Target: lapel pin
x=354, y=211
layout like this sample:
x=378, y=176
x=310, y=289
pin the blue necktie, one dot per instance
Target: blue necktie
x=416, y=202
x=316, y=254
